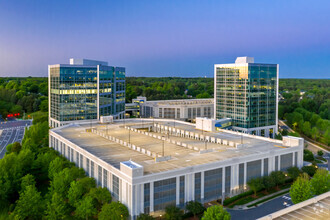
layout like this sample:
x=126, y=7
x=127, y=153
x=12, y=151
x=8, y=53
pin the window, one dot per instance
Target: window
x=92, y=169
x=147, y=198
x=198, y=187
x=87, y=166
x=253, y=169
x=115, y=186
x=213, y=184
x=99, y=178
x=241, y=176
x=266, y=167
x=227, y=178
x=286, y=161
x=164, y=193
x=182, y=191
x=105, y=178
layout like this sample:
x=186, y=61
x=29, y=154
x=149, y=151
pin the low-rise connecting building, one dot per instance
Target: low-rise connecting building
x=148, y=164
x=180, y=109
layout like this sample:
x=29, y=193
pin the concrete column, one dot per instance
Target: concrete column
x=279, y=162
x=293, y=159
x=151, y=196
x=262, y=167
x=110, y=181
x=267, y=132
x=234, y=178
x=245, y=174
x=202, y=186
x=120, y=190
x=177, y=190
x=223, y=179
x=141, y=199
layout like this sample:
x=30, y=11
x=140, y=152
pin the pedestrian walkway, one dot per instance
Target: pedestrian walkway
x=245, y=206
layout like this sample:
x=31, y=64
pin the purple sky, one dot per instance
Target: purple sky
x=165, y=38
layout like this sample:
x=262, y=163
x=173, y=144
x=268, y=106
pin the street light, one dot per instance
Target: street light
x=163, y=138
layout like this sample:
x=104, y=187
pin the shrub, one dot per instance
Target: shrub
x=308, y=155
x=310, y=170
x=234, y=198
x=320, y=153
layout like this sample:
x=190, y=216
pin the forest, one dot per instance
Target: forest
x=305, y=104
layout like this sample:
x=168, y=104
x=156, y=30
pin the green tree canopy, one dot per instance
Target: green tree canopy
x=29, y=205
x=114, y=211
x=301, y=189
x=293, y=172
x=144, y=216
x=216, y=213
x=173, y=213
x=101, y=196
x=86, y=208
x=195, y=207
x=57, y=208
x=255, y=184
x=320, y=182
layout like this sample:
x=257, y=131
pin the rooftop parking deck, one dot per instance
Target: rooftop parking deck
x=129, y=133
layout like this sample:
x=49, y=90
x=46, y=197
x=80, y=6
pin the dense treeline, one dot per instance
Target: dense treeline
x=37, y=183
x=306, y=104
x=18, y=95
x=168, y=88
x=306, y=107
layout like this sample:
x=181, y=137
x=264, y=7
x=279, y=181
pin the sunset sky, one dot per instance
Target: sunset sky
x=166, y=38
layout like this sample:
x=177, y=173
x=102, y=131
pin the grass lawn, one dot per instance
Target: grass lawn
x=269, y=198
x=250, y=198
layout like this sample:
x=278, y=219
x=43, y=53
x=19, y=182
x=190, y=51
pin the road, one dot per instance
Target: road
x=271, y=206
x=310, y=146
x=12, y=131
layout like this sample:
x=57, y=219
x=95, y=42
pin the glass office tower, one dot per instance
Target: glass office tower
x=247, y=93
x=85, y=90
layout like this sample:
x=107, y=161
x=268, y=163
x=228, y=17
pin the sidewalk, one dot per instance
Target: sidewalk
x=245, y=206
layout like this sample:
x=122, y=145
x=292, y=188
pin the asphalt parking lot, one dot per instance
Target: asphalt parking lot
x=12, y=131
x=267, y=208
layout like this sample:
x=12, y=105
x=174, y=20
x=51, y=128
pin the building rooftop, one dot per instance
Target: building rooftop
x=130, y=140
x=182, y=102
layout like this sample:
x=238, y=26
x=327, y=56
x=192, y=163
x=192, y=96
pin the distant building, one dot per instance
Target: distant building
x=85, y=90
x=181, y=109
x=247, y=92
x=133, y=109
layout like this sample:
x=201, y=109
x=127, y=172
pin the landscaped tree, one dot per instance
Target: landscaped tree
x=27, y=180
x=320, y=182
x=294, y=172
x=268, y=182
x=320, y=153
x=57, y=165
x=57, y=208
x=310, y=170
x=255, y=184
x=216, y=213
x=113, y=211
x=144, y=216
x=63, y=179
x=301, y=189
x=278, y=177
x=195, y=207
x=308, y=155
x=101, y=196
x=86, y=208
x=78, y=189
x=29, y=205
x=173, y=213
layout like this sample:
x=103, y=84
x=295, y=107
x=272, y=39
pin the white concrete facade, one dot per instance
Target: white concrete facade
x=183, y=109
x=132, y=181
